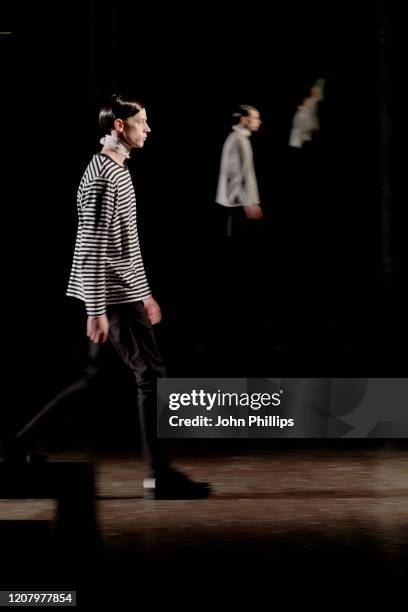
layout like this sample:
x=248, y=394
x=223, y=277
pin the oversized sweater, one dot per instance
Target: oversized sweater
x=237, y=184
x=107, y=264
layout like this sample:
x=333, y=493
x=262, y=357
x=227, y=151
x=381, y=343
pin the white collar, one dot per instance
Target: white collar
x=242, y=130
x=114, y=144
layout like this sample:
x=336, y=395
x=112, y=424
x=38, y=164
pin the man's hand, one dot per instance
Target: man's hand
x=97, y=329
x=254, y=211
x=152, y=310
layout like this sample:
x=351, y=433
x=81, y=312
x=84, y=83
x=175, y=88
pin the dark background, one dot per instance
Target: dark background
x=342, y=315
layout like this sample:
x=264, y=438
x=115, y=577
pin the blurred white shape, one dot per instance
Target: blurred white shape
x=306, y=119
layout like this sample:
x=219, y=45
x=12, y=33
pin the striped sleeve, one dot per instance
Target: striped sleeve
x=96, y=210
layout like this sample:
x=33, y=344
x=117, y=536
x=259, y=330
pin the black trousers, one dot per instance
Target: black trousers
x=242, y=269
x=132, y=336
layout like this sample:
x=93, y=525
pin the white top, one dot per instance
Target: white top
x=237, y=184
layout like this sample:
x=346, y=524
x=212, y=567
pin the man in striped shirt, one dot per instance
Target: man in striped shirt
x=108, y=276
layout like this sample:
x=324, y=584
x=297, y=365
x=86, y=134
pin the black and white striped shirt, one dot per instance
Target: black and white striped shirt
x=107, y=265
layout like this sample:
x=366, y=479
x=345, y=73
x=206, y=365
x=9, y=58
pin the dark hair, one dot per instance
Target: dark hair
x=243, y=110
x=118, y=107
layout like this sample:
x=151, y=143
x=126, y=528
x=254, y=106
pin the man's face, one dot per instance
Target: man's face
x=253, y=121
x=133, y=130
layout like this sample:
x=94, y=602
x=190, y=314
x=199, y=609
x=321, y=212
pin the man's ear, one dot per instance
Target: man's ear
x=118, y=124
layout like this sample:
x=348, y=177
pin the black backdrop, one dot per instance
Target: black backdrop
x=190, y=66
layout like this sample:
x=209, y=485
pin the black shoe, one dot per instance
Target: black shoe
x=35, y=458
x=175, y=485
x=17, y=455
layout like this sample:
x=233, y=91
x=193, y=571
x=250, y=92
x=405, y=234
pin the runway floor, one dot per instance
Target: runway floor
x=288, y=516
